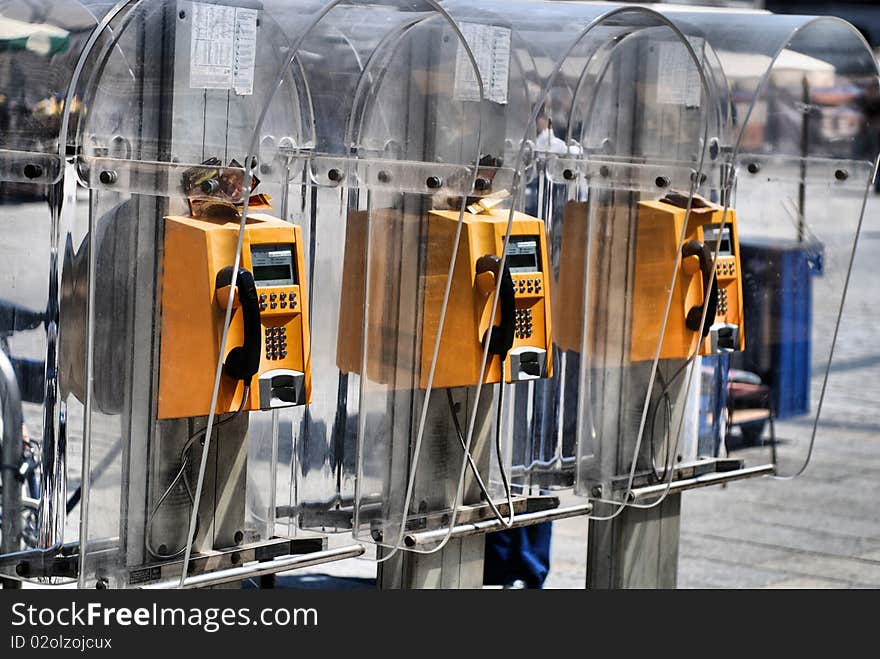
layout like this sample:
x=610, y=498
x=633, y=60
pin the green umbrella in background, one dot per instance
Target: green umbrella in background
x=39, y=38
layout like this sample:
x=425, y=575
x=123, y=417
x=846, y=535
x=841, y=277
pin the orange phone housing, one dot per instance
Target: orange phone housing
x=660, y=226
x=193, y=312
x=469, y=307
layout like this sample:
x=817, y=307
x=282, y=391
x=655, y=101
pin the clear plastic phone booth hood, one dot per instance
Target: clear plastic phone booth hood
x=294, y=282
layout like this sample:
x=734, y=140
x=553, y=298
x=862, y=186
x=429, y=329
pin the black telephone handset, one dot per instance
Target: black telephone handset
x=695, y=314
x=501, y=335
x=243, y=361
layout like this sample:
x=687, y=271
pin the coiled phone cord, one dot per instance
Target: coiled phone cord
x=181, y=474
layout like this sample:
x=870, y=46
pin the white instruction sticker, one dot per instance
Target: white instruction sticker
x=678, y=79
x=223, y=48
x=245, y=51
x=490, y=46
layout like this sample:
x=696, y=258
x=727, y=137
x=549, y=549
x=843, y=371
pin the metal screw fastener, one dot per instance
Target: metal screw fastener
x=32, y=170
x=108, y=177
x=753, y=168
x=182, y=14
x=238, y=537
x=662, y=181
x=596, y=492
x=841, y=174
x=235, y=558
x=102, y=584
x=384, y=177
x=434, y=182
x=482, y=184
x=286, y=146
x=714, y=148
x=334, y=175
x=604, y=171
x=568, y=175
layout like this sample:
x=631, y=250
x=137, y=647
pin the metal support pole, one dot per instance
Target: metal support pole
x=11, y=457
x=458, y=565
x=637, y=549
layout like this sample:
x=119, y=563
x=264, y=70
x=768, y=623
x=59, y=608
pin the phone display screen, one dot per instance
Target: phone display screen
x=522, y=254
x=710, y=235
x=273, y=265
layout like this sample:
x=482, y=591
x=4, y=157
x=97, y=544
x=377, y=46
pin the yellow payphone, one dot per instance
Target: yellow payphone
x=522, y=333
x=660, y=225
x=267, y=347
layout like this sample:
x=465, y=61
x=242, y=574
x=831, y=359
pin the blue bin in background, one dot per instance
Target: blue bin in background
x=778, y=309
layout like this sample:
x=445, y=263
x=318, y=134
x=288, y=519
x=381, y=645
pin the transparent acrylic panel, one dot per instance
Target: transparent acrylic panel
x=39, y=49
x=271, y=441
x=222, y=103
x=41, y=422
x=342, y=52
x=540, y=42
x=811, y=101
x=799, y=222
x=327, y=433
x=767, y=60
x=163, y=153
x=804, y=140
x=401, y=239
x=633, y=134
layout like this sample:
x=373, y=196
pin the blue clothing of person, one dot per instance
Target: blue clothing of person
x=521, y=554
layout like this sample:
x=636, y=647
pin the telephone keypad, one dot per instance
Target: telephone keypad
x=527, y=286
x=725, y=269
x=722, y=302
x=523, y=323
x=281, y=302
x=276, y=343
